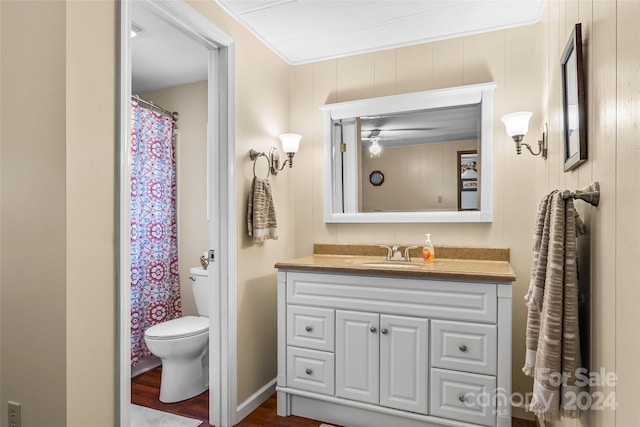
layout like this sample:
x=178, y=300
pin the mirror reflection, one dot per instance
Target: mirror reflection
x=418, y=155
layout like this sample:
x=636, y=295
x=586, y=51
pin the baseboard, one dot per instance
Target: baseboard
x=520, y=411
x=255, y=400
x=145, y=364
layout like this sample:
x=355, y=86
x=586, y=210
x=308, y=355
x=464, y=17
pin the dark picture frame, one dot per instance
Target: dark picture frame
x=574, y=133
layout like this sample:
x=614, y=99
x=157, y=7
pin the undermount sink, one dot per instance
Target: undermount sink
x=380, y=262
x=391, y=265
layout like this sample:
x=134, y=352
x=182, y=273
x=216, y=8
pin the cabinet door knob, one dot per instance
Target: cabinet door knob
x=462, y=398
x=383, y=331
x=308, y=371
x=308, y=328
x=462, y=348
x=373, y=329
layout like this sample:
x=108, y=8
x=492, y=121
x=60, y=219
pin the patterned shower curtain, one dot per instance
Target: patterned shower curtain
x=155, y=286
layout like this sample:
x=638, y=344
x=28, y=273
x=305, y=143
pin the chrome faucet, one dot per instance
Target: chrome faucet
x=393, y=253
x=407, y=256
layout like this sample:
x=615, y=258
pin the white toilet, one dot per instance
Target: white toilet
x=182, y=345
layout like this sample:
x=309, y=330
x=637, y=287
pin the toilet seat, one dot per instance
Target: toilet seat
x=181, y=327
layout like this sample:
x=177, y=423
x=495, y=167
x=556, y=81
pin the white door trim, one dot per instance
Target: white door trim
x=221, y=206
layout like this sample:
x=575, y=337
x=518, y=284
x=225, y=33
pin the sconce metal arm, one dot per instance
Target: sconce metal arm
x=542, y=144
x=540, y=149
x=274, y=160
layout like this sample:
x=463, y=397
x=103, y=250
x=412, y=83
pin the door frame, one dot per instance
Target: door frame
x=221, y=205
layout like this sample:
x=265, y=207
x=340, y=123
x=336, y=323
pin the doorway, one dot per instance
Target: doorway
x=219, y=54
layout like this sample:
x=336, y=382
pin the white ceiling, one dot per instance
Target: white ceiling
x=303, y=31
x=163, y=55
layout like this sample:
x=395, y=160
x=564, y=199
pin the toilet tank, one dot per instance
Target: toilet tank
x=200, y=282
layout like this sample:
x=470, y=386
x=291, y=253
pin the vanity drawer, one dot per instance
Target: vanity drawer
x=465, y=347
x=310, y=370
x=463, y=396
x=441, y=299
x=310, y=327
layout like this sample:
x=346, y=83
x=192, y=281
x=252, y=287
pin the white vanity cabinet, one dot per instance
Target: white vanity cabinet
x=382, y=359
x=371, y=350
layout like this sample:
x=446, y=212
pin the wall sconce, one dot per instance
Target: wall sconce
x=290, y=145
x=517, y=125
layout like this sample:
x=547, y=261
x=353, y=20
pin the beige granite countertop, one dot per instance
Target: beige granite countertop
x=463, y=263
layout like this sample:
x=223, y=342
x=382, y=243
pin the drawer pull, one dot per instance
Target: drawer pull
x=308, y=371
x=463, y=348
x=383, y=331
x=373, y=329
x=308, y=328
x=462, y=398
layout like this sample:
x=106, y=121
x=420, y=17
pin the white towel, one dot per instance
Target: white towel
x=261, y=212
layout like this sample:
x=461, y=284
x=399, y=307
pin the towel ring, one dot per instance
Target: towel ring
x=255, y=155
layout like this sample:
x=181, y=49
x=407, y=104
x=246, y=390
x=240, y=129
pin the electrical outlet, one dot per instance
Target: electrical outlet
x=15, y=419
x=439, y=199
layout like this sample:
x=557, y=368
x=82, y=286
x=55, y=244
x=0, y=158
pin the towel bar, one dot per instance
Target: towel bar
x=589, y=194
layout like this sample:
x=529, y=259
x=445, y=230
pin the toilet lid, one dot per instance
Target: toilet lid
x=181, y=327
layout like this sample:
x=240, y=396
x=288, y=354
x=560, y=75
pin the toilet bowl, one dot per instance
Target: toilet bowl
x=182, y=345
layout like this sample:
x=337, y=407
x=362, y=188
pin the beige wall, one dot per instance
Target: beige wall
x=1, y=227
x=90, y=222
x=507, y=57
x=190, y=101
x=610, y=250
x=416, y=177
x=34, y=305
x=262, y=113
x=58, y=174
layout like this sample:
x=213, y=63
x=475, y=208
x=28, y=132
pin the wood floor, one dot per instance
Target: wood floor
x=145, y=390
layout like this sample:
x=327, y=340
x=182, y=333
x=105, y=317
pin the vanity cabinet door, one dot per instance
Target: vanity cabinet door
x=404, y=369
x=357, y=356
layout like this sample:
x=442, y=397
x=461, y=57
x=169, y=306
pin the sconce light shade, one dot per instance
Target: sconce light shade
x=517, y=124
x=290, y=142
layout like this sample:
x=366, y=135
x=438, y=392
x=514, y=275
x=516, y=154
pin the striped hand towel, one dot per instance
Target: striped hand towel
x=261, y=212
x=553, y=333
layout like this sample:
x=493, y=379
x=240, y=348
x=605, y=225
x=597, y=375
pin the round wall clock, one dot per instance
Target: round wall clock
x=376, y=178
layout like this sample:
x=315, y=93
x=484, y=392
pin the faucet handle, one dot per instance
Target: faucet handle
x=407, y=256
x=390, y=251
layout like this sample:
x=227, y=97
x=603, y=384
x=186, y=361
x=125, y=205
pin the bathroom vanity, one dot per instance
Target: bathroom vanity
x=367, y=342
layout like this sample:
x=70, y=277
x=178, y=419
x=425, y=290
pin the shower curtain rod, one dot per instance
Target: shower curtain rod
x=173, y=114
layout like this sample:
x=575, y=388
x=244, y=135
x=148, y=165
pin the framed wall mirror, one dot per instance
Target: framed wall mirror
x=573, y=102
x=415, y=139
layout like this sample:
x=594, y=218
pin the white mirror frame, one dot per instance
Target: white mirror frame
x=461, y=95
